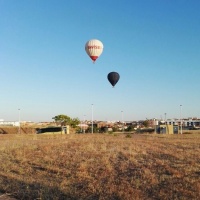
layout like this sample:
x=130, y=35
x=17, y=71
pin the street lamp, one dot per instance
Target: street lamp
x=19, y=131
x=122, y=122
x=181, y=118
x=84, y=125
x=92, y=118
x=154, y=125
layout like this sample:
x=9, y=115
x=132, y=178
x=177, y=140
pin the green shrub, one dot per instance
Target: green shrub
x=128, y=135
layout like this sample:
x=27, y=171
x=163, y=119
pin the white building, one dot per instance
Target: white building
x=190, y=122
x=8, y=123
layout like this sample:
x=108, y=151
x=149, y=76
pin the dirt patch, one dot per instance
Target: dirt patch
x=15, y=130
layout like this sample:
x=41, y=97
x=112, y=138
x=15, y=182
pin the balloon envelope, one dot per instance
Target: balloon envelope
x=94, y=48
x=113, y=78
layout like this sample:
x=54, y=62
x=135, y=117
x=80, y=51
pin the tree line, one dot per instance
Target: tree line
x=64, y=120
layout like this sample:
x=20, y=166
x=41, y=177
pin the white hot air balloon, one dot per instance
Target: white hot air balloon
x=94, y=49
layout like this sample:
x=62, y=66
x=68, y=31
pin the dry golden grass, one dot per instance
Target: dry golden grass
x=100, y=166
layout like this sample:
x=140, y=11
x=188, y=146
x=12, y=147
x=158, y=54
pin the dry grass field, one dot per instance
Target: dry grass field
x=100, y=166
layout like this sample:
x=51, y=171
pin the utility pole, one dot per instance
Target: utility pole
x=181, y=118
x=122, y=121
x=19, y=129
x=84, y=125
x=154, y=125
x=92, y=118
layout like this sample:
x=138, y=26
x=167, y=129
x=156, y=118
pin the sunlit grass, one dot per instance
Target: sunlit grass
x=97, y=166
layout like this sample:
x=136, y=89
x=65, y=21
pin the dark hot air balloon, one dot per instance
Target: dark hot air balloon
x=113, y=78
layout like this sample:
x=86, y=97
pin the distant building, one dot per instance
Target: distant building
x=167, y=129
x=9, y=123
x=186, y=123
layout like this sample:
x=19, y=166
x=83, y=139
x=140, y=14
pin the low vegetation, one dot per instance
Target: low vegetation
x=100, y=166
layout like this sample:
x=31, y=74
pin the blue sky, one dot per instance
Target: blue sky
x=153, y=44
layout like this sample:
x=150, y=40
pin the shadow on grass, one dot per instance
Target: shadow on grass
x=25, y=191
x=2, y=131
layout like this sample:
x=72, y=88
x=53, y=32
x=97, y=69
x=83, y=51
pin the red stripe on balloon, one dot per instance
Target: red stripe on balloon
x=93, y=57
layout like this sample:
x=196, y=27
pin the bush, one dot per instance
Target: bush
x=146, y=130
x=128, y=135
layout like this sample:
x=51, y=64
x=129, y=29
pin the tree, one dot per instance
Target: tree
x=145, y=123
x=114, y=129
x=95, y=129
x=66, y=120
x=62, y=119
x=131, y=128
x=74, y=122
